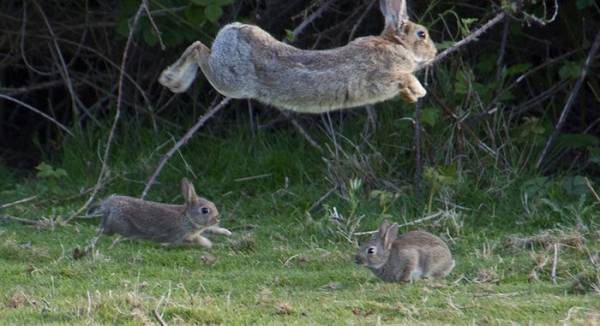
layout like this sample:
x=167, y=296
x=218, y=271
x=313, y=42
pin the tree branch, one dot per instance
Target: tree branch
x=570, y=101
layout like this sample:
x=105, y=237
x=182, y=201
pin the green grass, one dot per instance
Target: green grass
x=284, y=265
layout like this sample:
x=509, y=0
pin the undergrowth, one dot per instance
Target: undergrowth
x=290, y=258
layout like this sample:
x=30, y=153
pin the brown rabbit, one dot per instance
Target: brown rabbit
x=169, y=224
x=247, y=62
x=407, y=258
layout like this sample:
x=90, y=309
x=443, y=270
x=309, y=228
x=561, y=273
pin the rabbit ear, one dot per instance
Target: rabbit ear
x=383, y=229
x=394, y=11
x=390, y=236
x=188, y=191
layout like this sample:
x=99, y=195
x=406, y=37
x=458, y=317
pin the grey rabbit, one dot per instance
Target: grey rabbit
x=165, y=223
x=247, y=62
x=413, y=255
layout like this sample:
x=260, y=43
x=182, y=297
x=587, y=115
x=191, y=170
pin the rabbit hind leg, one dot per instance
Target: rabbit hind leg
x=411, y=271
x=179, y=76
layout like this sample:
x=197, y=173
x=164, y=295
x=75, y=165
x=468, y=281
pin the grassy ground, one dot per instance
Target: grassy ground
x=286, y=264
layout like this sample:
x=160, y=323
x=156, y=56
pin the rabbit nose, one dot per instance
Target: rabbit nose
x=358, y=260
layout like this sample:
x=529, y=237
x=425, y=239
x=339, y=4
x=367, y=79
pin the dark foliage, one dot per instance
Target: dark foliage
x=62, y=57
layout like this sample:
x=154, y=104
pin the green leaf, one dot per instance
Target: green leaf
x=570, y=70
x=219, y=3
x=534, y=186
x=430, y=116
x=203, y=2
x=517, y=69
x=575, y=185
x=462, y=83
x=45, y=170
x=568, y=141
x=289, y=35
x=150, y=37
x=195, y=15
x=582, y=4
x=213, y=13
x=595, y=155
x=444, y=45
x=465, y=25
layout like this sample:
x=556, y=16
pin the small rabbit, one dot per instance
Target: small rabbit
x=170, y=224
x=247, y=62
x=411, y=256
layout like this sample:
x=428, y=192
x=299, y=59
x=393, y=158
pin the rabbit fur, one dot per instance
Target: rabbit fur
x=165, y=223
x=413, y=255
x=247, y=62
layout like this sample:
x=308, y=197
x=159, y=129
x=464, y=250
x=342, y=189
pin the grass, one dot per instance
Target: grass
x=285, y=265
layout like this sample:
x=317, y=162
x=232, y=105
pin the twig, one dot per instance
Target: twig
x=320, y=200
x=159, y=319
x=300, y=28
x=188, y=135
x=418, y=159
x=360, y=19
x=9, y=218
x=555, y=263
x=104, y=168
x=415, y=222
x=75, y=101
x=20, y=201
x=302, y=131
x=570, y=101
x=468, y=39
x=500, y=61
x=154, y=26
x=30, y=88
x=60, y=125
x=589, y=184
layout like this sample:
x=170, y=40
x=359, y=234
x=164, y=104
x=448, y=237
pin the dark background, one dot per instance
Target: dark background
x=62, y=57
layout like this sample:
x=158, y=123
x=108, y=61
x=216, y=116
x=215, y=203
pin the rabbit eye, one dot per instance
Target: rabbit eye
x=371, y=250
x=205, y=210
x=421, y=34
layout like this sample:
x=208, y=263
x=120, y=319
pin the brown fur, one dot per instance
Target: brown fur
x=413, y=255
x=165, y=223
x=247, y=62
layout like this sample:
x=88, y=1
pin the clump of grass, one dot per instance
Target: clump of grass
x=546, y=239
x=246, y=243
x=585, y=282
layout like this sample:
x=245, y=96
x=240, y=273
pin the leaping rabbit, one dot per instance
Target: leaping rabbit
x=247, y=62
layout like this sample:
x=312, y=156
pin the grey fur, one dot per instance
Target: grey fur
x=165, y=223
x=413, y=255
x=247, y=62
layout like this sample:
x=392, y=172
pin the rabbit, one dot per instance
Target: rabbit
x=165, y=223
x=413, y=255
x=247, y=62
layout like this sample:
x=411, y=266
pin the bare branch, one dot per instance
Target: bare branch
x=469, y=38
x=60, y=125
x=570, y=101
x=188, y=135
x=104, y=169
x=300, y=28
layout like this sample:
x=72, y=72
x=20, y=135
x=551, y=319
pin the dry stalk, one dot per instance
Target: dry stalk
x=181, y=142
x=51, y=119
x=555, y=263
x=104, y=170
x=20, y=201
x=415, y=222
